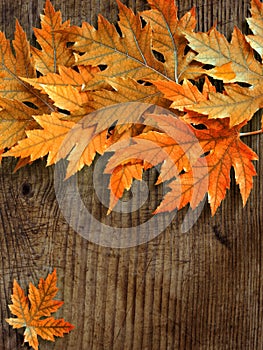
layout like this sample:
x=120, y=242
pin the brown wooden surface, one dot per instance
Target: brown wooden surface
x=197, y=290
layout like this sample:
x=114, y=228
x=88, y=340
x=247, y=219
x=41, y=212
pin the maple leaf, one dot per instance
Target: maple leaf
x=54, y=46
x=15, y=94
x=40, y=142
x=238, y=103
x=224, y=150
x=77, y=77
x=176, y=149
x=15, y=119
x=122, y=178
x=94, y=124
x=30, y=310
x=131, y=55
x=183, y=96
x=169, y=40
x=126, y=90
x=69, y=98
x=214, y=49
x=205, y=156
x=66, y=89
x=14, y=67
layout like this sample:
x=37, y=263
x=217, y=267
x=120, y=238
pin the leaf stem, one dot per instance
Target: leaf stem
x=256, y=132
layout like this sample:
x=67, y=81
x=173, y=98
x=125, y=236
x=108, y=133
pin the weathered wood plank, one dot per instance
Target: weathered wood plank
x=195, y=290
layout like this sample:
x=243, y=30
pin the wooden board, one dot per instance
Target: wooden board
x=197, y=290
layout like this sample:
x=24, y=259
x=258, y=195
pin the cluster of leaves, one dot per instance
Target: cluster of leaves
x=48, y=93
x=31, y=310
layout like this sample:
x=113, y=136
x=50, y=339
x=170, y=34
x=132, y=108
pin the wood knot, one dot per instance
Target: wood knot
x=27, y=190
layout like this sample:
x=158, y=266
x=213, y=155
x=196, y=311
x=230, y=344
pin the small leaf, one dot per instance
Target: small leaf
x=39, y=303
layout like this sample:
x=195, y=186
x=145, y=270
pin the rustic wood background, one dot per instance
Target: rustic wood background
x=197, y=290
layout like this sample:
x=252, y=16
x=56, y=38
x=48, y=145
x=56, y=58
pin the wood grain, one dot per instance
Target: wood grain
x=197, y=290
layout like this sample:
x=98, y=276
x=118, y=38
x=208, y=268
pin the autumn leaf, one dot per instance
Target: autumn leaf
x=131, y=55
x=15, y=119
x=214, y=49
x=235, y=103
x=169, y=40
x=183, y=95
x=176, y=150
x=205, y=156
x=14, y=67
x=238, y=103
x=224, y=150
x=77, y=78
x=93, y=124
x=16, y=94
x=126, y=90
x=54, y=46
x=30, y=310
x=41, y=142
x=256, y=25
x=122, y=178
x=127, y=56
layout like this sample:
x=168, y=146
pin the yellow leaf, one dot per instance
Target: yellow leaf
x=183, y=96
x=15, y=119
x=237, y=103
x=68, y=98
x=14, y=67
x=66, y=76
x=54, y=46
x=256, y=25
x=92, y=125
x=42, y=142
x=126, y=90
x=214, y=49
x=129, y=55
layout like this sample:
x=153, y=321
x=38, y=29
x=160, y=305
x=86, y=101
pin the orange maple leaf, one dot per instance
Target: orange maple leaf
x=169, y=40
x=131, y=55
x=91, y=126
x=197, y=161
x=15, y=119
x=15, y=67
x=122, y=178
x=40, y=142
x=64, y=77
x=31, y=310
x=236, y=103
x=54, y=46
